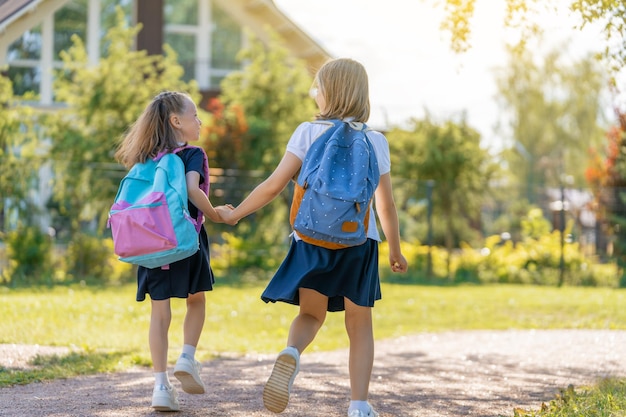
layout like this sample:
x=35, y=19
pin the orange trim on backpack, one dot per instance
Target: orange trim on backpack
x=298, y=193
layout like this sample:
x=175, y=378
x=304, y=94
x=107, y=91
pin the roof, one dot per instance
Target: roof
x=17, y=16
x=259, y=15
x=10, y=9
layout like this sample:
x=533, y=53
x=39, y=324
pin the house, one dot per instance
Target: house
x=207, y=34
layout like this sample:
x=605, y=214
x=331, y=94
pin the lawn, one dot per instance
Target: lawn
x=109, y=328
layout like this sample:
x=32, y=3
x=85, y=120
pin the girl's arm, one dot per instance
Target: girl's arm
x=199, y=198
x=265, y=192
x=386, y=210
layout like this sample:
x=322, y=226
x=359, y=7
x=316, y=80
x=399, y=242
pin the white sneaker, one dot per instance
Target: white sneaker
x=187, y=371
x=359, y=413
x=278, y=386
x=165, y=398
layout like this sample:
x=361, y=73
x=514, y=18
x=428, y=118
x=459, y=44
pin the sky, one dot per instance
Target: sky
x=411, y=67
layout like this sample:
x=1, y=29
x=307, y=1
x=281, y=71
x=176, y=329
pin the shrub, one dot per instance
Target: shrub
x=29, y=251
x=532, y=261
x=245, y=260
x=91, y=259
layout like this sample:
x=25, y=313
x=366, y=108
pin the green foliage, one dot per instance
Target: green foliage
x=607, y=398
x=554, y=110
x=73, y=364
x=29, y=251
x=102, y=102
x=530, y=261
x=514, y=213
x=449, y=154
x=245, y=260
x=523, y=14
x=534, y=225
x=91, y=259
x=262, y=106
x=20, y=158
x=272, y=90
x=534, y=257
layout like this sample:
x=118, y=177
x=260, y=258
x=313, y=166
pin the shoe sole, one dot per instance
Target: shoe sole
x=164, y=404
x=188, y=382
x=164, y=408
x=276, y=391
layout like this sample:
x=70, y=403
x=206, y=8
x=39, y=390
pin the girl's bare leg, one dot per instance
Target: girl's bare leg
x=160, y=319
x=194, y=319
x=358, y=322
x=309, y=320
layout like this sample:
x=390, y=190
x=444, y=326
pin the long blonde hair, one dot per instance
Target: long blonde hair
x=343, y=83
x=152, y=132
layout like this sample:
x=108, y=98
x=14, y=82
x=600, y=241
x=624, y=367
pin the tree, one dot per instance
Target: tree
x=259, y=108
x=607, y=178
x=553, y=114
x=610, y=13
x=272, y=91
x=21, y=156
x=224, y=135
x=101, y=103
x=448, y=153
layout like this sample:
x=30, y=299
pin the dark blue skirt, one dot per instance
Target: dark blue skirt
x=350, y=272
x=187, y=276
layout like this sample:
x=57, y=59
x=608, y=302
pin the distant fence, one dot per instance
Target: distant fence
x=413, y=199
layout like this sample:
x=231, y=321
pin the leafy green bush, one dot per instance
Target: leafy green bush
x=245, y=260
x=29, y=251
x=532, y=261
x=91, y=259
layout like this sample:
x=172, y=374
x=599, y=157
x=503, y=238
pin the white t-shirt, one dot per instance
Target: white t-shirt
x=307, y=132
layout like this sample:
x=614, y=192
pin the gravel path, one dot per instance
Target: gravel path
x=469, y=373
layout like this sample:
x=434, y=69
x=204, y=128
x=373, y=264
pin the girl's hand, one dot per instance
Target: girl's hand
x=225, y=213
x=398, y=263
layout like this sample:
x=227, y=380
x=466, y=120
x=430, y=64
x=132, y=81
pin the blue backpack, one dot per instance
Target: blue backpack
x=334, y=190
x=150, y=219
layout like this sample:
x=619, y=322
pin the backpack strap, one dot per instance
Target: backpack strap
x=203, y=186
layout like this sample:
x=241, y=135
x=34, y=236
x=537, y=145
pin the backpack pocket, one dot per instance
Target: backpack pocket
x=142, y=228
x=329, y=222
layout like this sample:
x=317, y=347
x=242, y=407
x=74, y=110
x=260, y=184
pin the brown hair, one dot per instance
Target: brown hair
x=152, y=132
x=343, y=83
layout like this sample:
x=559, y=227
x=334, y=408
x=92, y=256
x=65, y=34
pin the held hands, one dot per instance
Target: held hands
x=398, y=263
x=225, y=213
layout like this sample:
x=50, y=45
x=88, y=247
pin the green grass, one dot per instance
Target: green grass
x=606, y=399
x=109, y=319
x=110, y=329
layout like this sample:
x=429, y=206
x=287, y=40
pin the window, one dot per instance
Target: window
x=185, y=47
x=108, y=17
x=68, y=21
x=181, y=12
x=26, y=47
x=190, y=28
x=24, y=79
x=225, y=41
x=23, y=57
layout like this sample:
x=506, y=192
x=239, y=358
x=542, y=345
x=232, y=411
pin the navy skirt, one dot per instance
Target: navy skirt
x=187, y=276
x=350, y=272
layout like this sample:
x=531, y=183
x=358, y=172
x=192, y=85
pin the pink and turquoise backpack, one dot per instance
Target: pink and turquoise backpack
x=150, y=219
